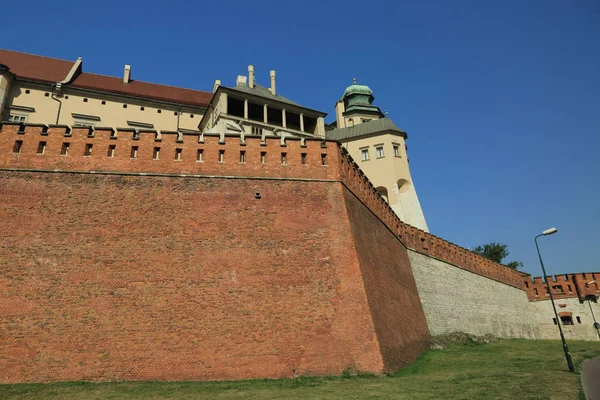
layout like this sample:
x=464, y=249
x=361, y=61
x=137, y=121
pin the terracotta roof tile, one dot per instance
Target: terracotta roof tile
x=37, y=68
x=46, y=69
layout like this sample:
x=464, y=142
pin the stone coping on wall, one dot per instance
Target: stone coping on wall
x=36, y=147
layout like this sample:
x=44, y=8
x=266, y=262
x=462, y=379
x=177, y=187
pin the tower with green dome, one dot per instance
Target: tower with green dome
x=356, y=106
x=378, y=147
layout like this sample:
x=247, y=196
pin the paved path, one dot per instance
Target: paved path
x=590, y=378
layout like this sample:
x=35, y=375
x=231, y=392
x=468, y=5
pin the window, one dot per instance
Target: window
x=88, y=150
x=303, y=158
x=178, y=154
x=124, y=105
x=535, y=291
x=323, y=159
x=283, y=158
x=191, y=115
x=21, y=118
x=142, y=108
x=242, y=156
x=156, y=153
x=566, y=320
x=85, y=100
x=569, y=288
x=379, y=151
x=158, y=111
x=64, y=151
x=41, y=147
x=83, y=123
x=578, y=320
x=396, y=150
x=134, y=151
x=263, y=156
x=554, y=319
x=221, y=156
x=27, y=91
x=200, y=155
x=111, y=150
x=366, y=119
x=47, y=94
x=103, y=102
x=17, y=147
x=558, y=288
x=67, y=97
x=364, y=154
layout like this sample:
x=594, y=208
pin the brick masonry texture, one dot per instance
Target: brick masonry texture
x=391, y=291
x=580, y=286
x=109, y=277
x=458, y=300
x=127, y=276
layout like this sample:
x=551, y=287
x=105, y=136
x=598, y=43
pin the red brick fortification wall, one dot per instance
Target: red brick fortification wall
x=580, y=285
x=390, y=286
x=133, y=277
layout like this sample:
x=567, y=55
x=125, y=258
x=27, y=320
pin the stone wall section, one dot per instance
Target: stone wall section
x=582, y=328
x=458, y=300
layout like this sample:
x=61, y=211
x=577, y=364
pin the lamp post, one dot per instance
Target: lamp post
x=596, y=325
x=562, y=336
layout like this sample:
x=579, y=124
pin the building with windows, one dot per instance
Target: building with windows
x=379, y=148
x=36, y=89
x=43, y=90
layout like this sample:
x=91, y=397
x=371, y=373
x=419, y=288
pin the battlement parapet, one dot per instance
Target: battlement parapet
x=419, y=240
x=126, y=150
x=581, y=285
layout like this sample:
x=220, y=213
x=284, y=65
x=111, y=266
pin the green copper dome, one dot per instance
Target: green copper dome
x=357, y=89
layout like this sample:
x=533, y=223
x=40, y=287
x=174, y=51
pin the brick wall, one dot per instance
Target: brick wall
x=563, y=286
x=132, y=277
x=390, y=286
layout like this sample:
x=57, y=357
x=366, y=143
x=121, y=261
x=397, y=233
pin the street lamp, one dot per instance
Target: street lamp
x=588, y=298
x=562, y=336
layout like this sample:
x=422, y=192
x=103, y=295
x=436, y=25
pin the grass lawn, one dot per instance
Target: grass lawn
x=507, y=369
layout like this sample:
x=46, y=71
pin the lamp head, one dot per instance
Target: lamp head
x=549, y=231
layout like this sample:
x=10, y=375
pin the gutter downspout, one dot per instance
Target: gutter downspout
x=59, y=103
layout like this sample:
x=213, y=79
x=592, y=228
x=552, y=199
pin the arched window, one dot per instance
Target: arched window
x=383, y=193
x=403, y=185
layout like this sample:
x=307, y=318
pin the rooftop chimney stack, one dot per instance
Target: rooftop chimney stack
x=251, y=76
x=240, y=81
x=272, y=73
x=127, y=74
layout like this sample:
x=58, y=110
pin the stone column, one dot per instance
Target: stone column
x=283, y=121
x=245, y=108
x=301, y=122
x=265, y=114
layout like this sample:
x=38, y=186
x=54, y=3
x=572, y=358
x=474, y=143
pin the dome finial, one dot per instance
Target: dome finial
x=354, y=81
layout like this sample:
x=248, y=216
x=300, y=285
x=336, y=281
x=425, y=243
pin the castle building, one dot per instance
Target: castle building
x=379, y=147
x=36, y=89
x=236, y=245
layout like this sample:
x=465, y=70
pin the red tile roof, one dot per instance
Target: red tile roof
x=36, y=68
x=52, y=70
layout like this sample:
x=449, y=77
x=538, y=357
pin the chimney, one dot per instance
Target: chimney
x=241, y=80
x=216, y=85
x=272, y=73
x=127, y=74
x=251, y=76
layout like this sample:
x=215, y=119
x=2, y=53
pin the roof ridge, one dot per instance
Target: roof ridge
x=150, y=83
x=37, y=55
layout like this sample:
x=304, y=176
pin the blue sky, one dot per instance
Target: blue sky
x=501, y=100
